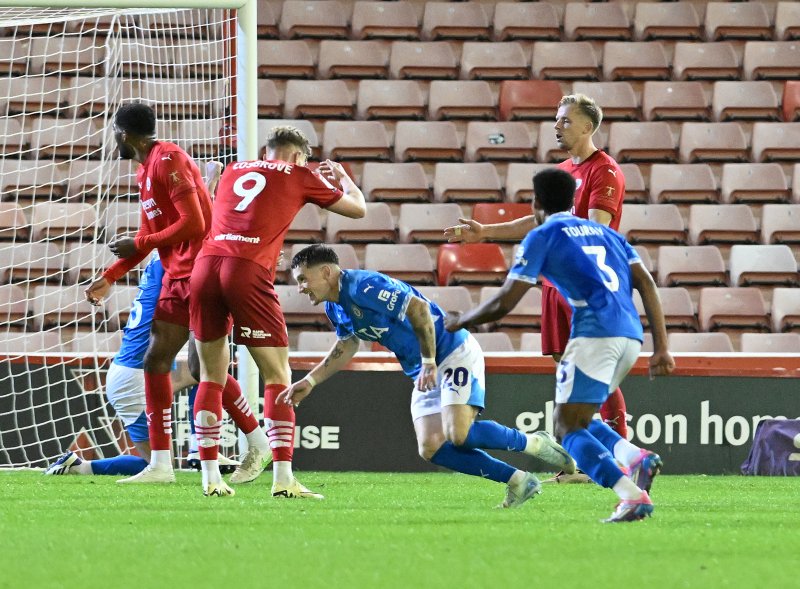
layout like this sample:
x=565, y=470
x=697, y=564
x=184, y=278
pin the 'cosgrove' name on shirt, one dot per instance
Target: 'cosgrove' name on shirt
x=279, y=166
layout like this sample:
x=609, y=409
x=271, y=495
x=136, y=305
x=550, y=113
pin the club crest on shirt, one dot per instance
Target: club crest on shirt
x=356, y=312
x=175, y=177
x=609, y=192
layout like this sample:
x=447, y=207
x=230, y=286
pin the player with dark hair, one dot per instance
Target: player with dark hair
x=447, y=369
x=594, y=268
x=232, y=282
x=175, y=217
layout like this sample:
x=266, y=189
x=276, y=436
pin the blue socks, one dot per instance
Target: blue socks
x=604, y=434
x=119, y=465
x=493, y=436
x=592, y=457
x=474, y=462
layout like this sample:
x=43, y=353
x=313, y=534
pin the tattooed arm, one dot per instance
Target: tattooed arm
x=341, y=353
x=419, y=315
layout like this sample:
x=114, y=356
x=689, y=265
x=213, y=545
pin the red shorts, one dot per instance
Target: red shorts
x=173, y=303
x=556, y=316
x=228, y=287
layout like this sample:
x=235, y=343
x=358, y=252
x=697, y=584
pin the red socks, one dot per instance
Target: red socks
x=613, y=413
x=279, y=424
x=237, y=406
x=158, y=403
x=208, y=419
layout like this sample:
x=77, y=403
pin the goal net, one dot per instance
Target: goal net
x=64, y=194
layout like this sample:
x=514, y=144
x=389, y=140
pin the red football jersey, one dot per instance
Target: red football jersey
x=256, y=202
x=600, y=185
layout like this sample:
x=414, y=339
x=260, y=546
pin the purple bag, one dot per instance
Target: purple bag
x=776, y=449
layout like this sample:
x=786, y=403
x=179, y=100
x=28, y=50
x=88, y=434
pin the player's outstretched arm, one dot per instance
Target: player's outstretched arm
x=352, y=204
x=470, y=231
x=661, y=362
x=419, y=315
x=338, y=357
x=500, y=305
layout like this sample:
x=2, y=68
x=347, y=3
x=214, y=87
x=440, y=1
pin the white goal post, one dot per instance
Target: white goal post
x=37, y=101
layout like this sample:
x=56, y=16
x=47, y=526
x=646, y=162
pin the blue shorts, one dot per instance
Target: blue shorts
x=138, y=429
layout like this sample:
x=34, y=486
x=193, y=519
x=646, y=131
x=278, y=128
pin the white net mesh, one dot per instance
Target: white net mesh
x=63, y=194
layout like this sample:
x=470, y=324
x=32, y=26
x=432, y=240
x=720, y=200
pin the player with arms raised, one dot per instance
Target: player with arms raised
x=594, y=268
x=233, y=278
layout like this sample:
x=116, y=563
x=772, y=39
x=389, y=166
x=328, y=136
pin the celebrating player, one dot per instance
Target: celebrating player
x=594, y=268
x=598, y=197
x=447, y=369
x=176, y=215
x=233, y=277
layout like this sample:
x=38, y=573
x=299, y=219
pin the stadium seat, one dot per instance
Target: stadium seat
x=270, y=105
x=500, y=212
x=88, y=96
x=676, y=305
x=353, y=59
x=317, y=341
x=641, y=142
x=410, y=263
x=425, y=60
x=161, y=59
x=771, y=60
x=13, y=223
x=780, y=224
x=700, y=343
x=298, y=310
x=426, y=222
x=267, y=22
x=785, y=309
x=285, y=59
x=395, y=182
x=355, y=140
x=683, y=183
x=200, y=137
x=595, y=22
x=14, y=55
x=635, y=188
x=635, y=60
x=757, y=265
x=311, y=99
x=121, y=216
x=118, y=305
x=96, y=343
x=318, y=20
x=705, y=61
x=674, y=21
x=83, y=262
x=167, y=97
x=732, y=308
x=796, y=184
x=64, y=306
x=674, y=100
x=426, y=140
x=519, y=181
x=31, y=262
x=445, y=20
x=499, y=141
x=712, y=142
x=776, y=141
x=472, y=263
x=563, y=60
x=466, y=182
x=494, y=342
x=384, y=20
x=377, y=225
x=753, y=183
x=16, y=141
x=14, y=306
x=644, y=256
x=66, y=139
x=22, y=180
x=449, y=298
x=787, y=21
x=691, y=266
x=770, y=343
x=617, y=99
x=493, y=61
x=721, y=224
x=660, y=223
x=737, y=20
x=526, y=315
x=534, y=21
x=745, y=100
x=461, y=100
x=529, y=99
x=63, y=221
x=306, y=226
x=32, y=95
x=531, y=342
x=67, y=55
x=390, y=99
x=791, y=101
x=42, y=342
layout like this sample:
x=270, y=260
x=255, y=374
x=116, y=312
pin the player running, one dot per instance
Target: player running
x=233, y=278
x=175, y=217
x=599, y=195
x=447, y=369
x=594, y=268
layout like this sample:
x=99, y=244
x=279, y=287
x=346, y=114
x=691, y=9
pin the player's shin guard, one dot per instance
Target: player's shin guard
x=279, y=421
x=208, y=419
x=237, y=406
x=613, y=413
x=592, y=457
x=494, y=436
x=158, y=400
x=471, y=461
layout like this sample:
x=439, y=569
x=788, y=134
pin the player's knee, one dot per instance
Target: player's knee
x=428, y=447
x=156, y=364
x=456, y=435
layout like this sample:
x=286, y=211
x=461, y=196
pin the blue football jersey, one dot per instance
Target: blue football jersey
x=589, y=264
x=136, y=333
x=372, y=306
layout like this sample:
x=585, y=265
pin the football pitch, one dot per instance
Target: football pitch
x=394, y=530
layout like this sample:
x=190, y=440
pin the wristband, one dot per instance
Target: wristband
x=311, y=379
x=428, y=360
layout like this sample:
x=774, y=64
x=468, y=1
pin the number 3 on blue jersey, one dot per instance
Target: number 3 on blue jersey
x=599, y=251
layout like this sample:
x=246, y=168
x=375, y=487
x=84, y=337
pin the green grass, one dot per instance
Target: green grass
x=394, y=530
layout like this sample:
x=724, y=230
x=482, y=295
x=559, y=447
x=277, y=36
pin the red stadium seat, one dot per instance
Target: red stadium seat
x=635, y=60
x=461, y=100
x=787, y=21
x=745, y=100
x=529, y=99
x=493, y=61
x=771, y=343
x=353, y=59
x=395, y=182
x=285, y=59
x=660, y=223
x=791, y=101
x=683, y=183
x=691, y=266
x=705, y=61
x=678, y=20
x=771, y=60
x=499, y=141
x=446, y=20
x=617, y=99
x=756, y=265
x=722, y=224
x=325, y=99
x=425, y=223
x=407, y=262
x=359, y=140
x=429, y=60
x=635, y=142
x=674, y=100
x=739, y=20
x=712, y=142
x=500, y=212
x=526, y=315
x=780, y=224
x=384, y=20
x=519, y=181
x=776, y=141
x=785, y=309
x=565, y=61
x=426, y=140
x=318, y=20
x=466, y=182
x=700, y=343
x=390, y=99
x=732, y=308
x=471, y=263
x=534, y=21
x=377, y=225
x=753, y=183
x=595, y=21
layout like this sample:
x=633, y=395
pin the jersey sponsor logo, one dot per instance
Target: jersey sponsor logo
x=357, y=312
x=150, y=208
x=372, y=332
x=390, y=297
x=251, y=333
x=236, y=237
